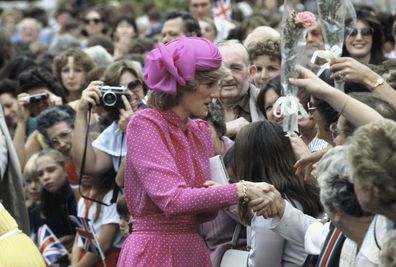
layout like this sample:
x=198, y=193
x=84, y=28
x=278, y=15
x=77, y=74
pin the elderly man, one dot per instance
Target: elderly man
x=238, y=96
x=203, y=8
x=177, y=24
x=29, y=30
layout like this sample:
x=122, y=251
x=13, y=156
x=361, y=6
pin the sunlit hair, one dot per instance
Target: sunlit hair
x=57, y=156
x=115, y=70
x=81, y=59
x=237, y=46
x=166, y=101
x=336, y=191
x=269, y=47
x=264, y=154
x=30, y=169
x=373, y=160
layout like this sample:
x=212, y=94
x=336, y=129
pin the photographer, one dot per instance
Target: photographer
x=109, y=148
x=37, y=90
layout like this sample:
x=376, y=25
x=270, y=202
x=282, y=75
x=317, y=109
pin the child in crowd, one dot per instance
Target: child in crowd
x=125, y=217
x=105, y=221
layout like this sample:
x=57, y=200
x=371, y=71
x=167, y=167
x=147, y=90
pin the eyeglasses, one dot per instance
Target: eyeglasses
x=363, y=31
x=95, y=21
x=134, y=85
x=63, y=136
x=334, y=130
x=311, y=107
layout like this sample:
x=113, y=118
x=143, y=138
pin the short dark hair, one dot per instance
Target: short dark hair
x=54, y=115
x=16, y=66
x=274, y=84
x=122, y=208
x=191, y=25
x=130, y=21
x=8, y=86
x=37, y=77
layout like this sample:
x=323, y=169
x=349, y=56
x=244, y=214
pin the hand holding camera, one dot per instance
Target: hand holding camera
x=107, y=96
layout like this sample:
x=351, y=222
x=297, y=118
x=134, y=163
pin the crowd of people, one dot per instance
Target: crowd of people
x=115, y=118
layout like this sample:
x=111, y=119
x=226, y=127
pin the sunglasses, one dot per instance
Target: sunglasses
x=136, y=84
x=95, y=21
x=363, y=31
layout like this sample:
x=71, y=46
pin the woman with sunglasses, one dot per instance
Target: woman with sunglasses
x=109, y=148
x=92, y=22
x=364, y=39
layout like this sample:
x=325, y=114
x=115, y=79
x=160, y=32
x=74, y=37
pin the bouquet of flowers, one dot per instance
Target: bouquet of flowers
x=332, y=18
x=293, y=45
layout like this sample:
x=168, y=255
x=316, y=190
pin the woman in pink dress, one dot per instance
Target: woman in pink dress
x=167, y=164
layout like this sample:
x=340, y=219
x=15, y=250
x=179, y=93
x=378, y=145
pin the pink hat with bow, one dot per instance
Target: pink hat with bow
x=176, y=62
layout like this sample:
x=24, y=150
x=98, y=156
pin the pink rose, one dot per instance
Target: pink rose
x=305, y=18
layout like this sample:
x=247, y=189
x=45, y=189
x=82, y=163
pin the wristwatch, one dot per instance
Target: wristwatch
x=379, y=82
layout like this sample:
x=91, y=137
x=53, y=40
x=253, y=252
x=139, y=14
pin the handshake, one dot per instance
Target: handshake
x=262, y=198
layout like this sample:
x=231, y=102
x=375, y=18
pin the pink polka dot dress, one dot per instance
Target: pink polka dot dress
x=167, y=162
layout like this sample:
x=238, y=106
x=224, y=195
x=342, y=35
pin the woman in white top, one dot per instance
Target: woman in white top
x=264, y=154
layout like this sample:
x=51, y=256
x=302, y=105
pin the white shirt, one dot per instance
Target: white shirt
x=109, y=141
x=107, y=215
x=269, y=248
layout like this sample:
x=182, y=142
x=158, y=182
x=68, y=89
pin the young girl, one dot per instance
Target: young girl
x=57, y=200
x=105, y=221
x=125, y=217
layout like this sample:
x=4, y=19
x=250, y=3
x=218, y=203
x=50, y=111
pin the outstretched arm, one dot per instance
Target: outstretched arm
x=96, y=162
x=352, y=70
x=350, y=108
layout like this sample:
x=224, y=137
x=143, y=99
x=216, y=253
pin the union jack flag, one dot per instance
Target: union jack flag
x=87, y=234
x=222, y=8
x=50, y=247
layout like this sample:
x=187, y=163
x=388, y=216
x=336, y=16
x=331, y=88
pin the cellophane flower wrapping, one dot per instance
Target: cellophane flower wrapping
x=332, y=15
x=293, y=47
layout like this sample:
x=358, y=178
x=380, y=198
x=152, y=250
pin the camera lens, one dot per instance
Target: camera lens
x=109, y=99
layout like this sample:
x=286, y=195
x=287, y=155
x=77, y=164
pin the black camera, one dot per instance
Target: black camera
x=38, y=97
x=111, y=96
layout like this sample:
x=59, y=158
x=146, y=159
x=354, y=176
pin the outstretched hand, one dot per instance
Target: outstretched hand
x=310, y=83
x=347, y=69
x=307, y=163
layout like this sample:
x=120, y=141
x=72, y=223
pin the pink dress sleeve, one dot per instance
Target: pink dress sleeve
x=153, y=165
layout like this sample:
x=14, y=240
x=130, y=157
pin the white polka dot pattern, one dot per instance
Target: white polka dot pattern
x=167, y=162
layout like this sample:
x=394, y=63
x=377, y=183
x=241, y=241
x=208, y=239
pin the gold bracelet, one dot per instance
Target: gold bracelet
x=344, y=105
x=245, y=198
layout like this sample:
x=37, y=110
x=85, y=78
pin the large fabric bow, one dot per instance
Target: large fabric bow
x=176, y=62
x=289, y=107
x=327, y=55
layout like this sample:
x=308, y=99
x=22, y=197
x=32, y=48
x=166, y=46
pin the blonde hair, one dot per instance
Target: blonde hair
x=373, y=159
x=54, y=154
x=164, y=101
x=30, y=169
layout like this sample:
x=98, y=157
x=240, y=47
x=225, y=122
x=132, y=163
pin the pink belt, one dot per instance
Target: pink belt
x=161, y=224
